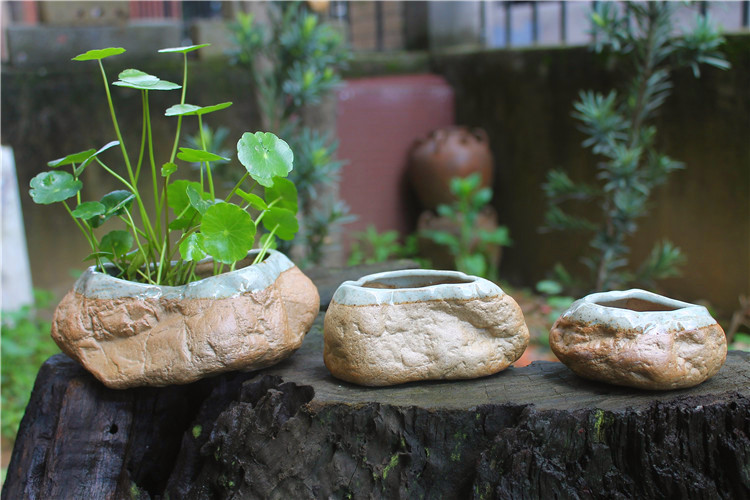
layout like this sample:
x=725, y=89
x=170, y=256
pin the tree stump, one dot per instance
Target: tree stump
x=293, y=431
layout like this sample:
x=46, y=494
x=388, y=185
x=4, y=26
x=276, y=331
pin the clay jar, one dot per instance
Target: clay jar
x=447, y=153
x=639, y=339
x=132, y=334
x=404, y=326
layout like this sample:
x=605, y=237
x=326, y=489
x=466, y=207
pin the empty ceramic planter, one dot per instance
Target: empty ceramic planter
x=639, y=339
x=411, y=325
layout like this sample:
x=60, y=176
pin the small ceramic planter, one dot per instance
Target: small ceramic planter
x=404, y=326
x=639, y=339
x=131, y=334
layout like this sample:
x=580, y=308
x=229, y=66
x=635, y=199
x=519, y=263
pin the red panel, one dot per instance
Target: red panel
x=378, y=120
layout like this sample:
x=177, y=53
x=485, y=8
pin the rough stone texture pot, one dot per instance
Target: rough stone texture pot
x=639, y=339
x=131, y=334
x=404, y=326
x=447, y=153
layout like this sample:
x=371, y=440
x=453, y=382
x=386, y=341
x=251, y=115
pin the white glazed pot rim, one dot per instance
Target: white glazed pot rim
x=415, y=285
x=97, y=285
x=678, y=315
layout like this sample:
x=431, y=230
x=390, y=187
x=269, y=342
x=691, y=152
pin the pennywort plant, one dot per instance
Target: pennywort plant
x=164, y=247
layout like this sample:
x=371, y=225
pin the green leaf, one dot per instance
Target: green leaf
x=180, y=224
x=210, y=109
x=89, y=209
x=118, y=242
x=265, y=156
x=115, y=203
x=254, y=200
x=137, y=77
x=168, y=169
x=499, y=236
x=549, y=287
x=177, y=195
x=54, y=186
x=184, y=50
x=192, y=247
x=283, y=190
x=198, y=199
x=442, y=238
x=283, y=220
x=192, y=109
x=99, y=255
x=181, y=109
x=71, y=158
x=91, y=158
x=197, y=155
x=229, y=232
x=158, y=85
x=474, y=264
x=96, y=54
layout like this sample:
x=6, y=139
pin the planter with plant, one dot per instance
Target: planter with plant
x=176, y=296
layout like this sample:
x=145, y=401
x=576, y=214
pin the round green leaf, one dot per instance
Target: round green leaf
x=285, y=191
x=96, y=54
x=71, y=158
x=118, y=242
x=204, y=110
x=51, y=187
x=115, y=203
x=192, y=109
x=168, y=169
x=192, y=247
x=181, y=109
x=137, y=77
x=265, y=156
x=254, y=200
x=197, y=155
x=229, y=232
x=283, y=220
x=89, y=209
x=178, y=197
x=91, y=157
x=184, y=50
x=160, y=85
x=198, y=200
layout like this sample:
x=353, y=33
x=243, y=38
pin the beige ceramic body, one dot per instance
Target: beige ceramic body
x=405, y=326
x=639, y=339
x=131, y=334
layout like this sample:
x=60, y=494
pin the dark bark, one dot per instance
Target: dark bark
x=293, y=431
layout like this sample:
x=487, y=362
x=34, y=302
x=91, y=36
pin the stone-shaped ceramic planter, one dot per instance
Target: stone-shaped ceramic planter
x=404, y=326
x=131, y=334
x=639, y=339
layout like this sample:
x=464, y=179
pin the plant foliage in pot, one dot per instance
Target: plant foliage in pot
x=180, y=294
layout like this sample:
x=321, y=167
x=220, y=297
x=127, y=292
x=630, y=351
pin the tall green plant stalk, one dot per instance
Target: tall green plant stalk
x=295, y=61
x=619, y=128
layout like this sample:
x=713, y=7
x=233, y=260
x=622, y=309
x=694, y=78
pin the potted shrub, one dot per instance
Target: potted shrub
x=180, y=293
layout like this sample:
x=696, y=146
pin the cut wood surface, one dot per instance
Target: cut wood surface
x=293, y=431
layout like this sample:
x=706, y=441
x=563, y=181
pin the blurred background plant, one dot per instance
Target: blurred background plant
x=473, y=248
x=619, y=128
x=26, y=344
x=370, y=247
x=295, y=61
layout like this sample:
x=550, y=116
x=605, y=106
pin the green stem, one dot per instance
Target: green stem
x=116, y=176
x=208, y=164
x=143, y=136
x=261, y=255
x=237, y=186
x=91, y=241
x=157, y=205
x=146, y=263
x=182, y=101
